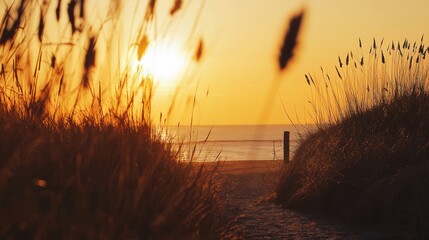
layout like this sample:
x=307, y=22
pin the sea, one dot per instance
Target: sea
x=235, y=142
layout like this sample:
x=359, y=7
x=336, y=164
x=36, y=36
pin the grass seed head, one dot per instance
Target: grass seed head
x=411, y=62
x=150, y=10
x=53, y=61
x=307, y=79
x=338, y=72
x=89, y=61
x=142, y=47
x=421, y=49
x=90, y=54
x=70, y=12
x=58, y=10
x=176, y=7
x=41, y=26
x=8, y=34
x=82, y=9
x=290, y=41
x=200, y=50
x=311, y=78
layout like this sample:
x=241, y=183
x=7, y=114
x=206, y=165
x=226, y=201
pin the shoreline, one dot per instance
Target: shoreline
x=243, y=167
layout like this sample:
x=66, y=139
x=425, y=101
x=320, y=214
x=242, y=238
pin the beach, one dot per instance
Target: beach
x=248, y=188
x=250, y=167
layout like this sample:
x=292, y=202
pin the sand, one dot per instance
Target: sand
x=250, y=167
x=248, y=187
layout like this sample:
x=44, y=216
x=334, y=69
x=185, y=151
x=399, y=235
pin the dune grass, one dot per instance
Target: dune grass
x=367, y=162
x=92, y=180
x=76, y=162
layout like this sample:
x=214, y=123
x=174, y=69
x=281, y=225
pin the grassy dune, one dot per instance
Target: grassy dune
x=92, y=180
x=76, y=161
x=368, y=161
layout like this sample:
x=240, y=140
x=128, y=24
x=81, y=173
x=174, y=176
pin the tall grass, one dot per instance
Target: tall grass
x=79, y=156
x=68, y=180
x=368, y=77
x=367, y=161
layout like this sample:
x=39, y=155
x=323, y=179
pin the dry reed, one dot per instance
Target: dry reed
x=370, y=149
x=290, y=41
x=75, y=163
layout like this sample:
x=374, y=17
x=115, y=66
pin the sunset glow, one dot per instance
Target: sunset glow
x=247, y=119
x=241, y=46
x=165, y=64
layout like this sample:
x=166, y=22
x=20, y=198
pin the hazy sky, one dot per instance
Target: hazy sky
x=241, y=44
x=241, y=65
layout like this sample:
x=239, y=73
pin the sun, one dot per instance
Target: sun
x=164, y=63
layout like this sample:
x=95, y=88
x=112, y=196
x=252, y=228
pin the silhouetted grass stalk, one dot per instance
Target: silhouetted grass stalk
x=367, y=79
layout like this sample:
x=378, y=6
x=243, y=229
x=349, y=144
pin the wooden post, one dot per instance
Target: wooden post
x=286, y=146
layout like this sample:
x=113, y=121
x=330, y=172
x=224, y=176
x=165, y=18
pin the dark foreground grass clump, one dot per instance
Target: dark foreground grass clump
x=79, y=156
x=63, y=180
x=371, y=165
x=372, y=168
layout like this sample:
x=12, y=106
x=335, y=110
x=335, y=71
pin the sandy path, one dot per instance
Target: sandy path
x=248, y=186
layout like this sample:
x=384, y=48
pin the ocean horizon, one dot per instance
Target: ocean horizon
x=235, y=142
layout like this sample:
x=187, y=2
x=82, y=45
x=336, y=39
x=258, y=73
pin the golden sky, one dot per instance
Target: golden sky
x=241, y=65
x=242, y=38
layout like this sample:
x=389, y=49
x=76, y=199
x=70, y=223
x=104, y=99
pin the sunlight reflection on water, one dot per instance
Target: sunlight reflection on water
x=255, y=142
